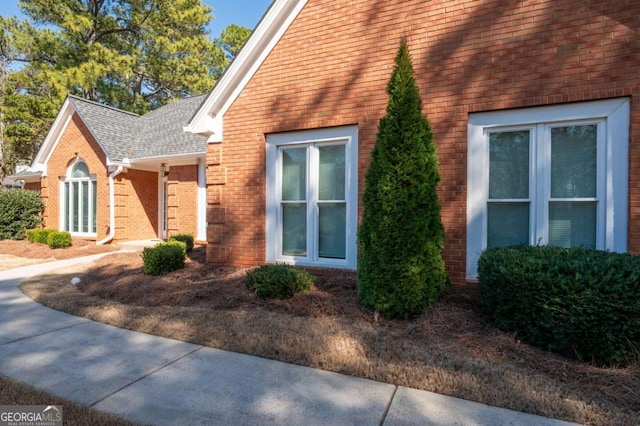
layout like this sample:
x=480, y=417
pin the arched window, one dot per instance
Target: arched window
x=79, y=201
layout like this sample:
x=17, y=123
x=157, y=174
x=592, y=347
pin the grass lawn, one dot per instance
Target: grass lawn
x=451, y=350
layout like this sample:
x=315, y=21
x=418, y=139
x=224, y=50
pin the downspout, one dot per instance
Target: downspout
x=112, y=206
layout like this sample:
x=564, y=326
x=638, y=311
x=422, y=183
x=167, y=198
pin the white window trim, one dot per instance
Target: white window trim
x=64, y=208
x=347, y=135
x=613, y=163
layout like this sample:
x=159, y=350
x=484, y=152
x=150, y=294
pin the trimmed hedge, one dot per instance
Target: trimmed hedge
x=20, y=210
x=164, y=258
x=57, y=239
x=41, y=235
x=185, y=238
x=577, y=302
x=278, y=281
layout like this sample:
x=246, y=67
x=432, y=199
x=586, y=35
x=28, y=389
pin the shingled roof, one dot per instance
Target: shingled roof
x=157, y=134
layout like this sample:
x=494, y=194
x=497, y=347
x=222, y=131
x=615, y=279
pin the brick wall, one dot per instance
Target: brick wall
x=183, y=200
x=332, y=66
x=76, y=140
x=136, y=201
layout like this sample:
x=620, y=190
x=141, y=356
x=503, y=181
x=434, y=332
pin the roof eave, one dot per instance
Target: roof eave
x=208, y=119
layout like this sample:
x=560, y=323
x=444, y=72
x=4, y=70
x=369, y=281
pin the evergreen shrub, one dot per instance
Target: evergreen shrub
x=401, y=238
x=185, y=238
x=278, y=281
x=577, y=302
x=20, y=209
x=164, y=258
x=41, y=235
x=56, y=239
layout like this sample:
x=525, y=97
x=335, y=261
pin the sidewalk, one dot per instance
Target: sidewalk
x=154, y=380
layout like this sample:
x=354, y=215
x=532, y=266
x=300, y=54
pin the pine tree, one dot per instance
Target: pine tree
x=401, y=237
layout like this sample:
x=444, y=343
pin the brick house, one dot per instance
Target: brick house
x=107, y=174
x=533, y=104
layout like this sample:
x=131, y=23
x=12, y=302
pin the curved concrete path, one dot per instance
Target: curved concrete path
x=154, y=380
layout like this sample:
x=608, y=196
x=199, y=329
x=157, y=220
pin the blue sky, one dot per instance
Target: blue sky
x=240, y=12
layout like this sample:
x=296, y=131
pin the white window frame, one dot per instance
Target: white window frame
x=66, y=211
x=346, y=135
x=612, y=117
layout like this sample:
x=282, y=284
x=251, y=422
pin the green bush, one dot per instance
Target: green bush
x=577, y=302
x=60, y=239
x=278, y=281
x=30, y=235
x=164, y=258
x=400, y=267
x=185, y=238
x=20, y=210
x=41, y=235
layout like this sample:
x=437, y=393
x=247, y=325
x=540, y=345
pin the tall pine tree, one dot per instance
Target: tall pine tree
x=136, y=55
x=401, y=237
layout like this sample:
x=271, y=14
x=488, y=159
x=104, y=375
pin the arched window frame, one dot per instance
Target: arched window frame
x=78, y=201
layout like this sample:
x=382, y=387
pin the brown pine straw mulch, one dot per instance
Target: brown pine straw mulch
x=451, y=350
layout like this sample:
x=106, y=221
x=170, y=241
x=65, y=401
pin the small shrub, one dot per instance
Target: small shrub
x=41, y=235
x=30, y=234
x=19, y=210
x=278, y=281
x=163, y=258
x=181, y=244
x=57, y=240
x=577, y=302
x=185, y=238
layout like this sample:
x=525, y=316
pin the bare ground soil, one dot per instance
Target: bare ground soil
x=451, y=350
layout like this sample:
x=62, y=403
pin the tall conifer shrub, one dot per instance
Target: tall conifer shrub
x=401, y=237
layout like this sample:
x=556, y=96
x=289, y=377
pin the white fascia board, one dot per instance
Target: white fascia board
x=53, y=138
x=208, y=119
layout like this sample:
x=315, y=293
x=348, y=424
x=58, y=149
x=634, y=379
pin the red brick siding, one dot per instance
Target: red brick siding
x=183, y=200
x=136, y=201
x=332, y=66
x=76, y=139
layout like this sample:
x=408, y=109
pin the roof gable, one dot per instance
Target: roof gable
x=209, y=117
x=124, y=136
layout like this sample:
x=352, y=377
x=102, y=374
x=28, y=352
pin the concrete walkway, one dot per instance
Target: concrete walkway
x=161, y=381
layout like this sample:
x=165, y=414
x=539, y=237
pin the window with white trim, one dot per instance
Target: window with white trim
x=78, y=202
x=552, y=175
x=312, y=197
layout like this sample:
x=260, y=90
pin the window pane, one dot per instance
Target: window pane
x=294, y=229
x=572, y=224
x=573, y=161
x=85, y=206
x=80, y=170
x=94, y=194
x=508, y=224
x=332, y=230
x=294, y=174
x=75, y=211
x=332, y=172
x=509, y=165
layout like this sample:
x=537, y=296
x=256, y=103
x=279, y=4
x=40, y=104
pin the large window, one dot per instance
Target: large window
x=312, y=197
x=548, y=176
x=78, y=203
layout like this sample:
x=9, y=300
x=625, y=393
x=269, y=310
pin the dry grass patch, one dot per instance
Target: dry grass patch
x=451, y=350
x=15, y=393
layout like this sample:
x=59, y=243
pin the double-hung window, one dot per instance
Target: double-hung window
x=548, y=176
x=78, y=203
x=312, y=197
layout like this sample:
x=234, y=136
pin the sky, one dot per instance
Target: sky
x=240, y=12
